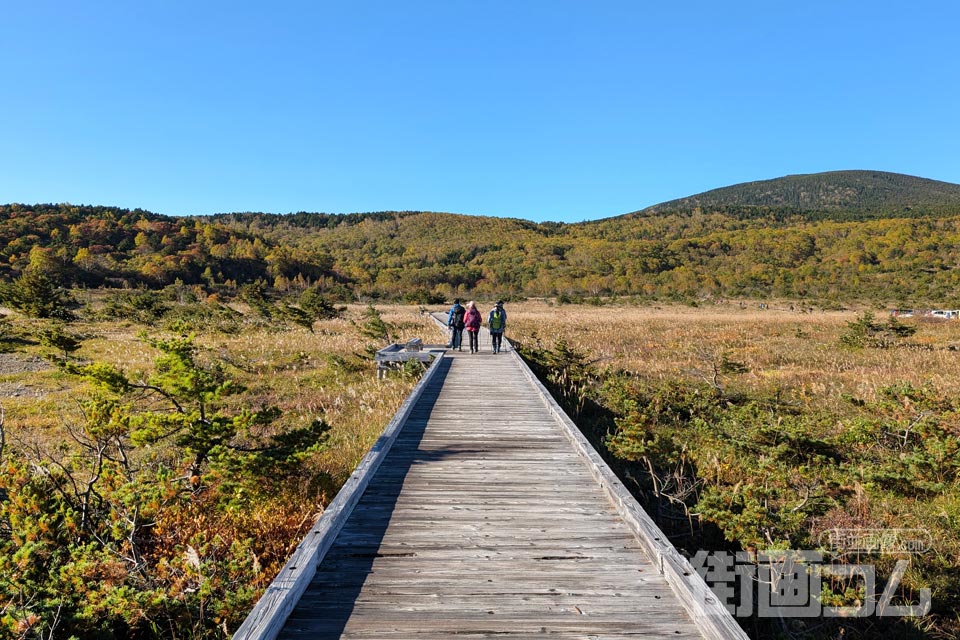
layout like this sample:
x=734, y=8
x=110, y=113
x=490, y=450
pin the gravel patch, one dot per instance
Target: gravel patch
x=18, y=363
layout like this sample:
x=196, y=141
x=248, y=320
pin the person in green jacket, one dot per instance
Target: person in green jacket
x=497, y=323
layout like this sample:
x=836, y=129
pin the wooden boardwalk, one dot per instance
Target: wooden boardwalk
x=484, y=519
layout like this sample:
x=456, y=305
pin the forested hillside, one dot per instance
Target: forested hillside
x=899, y=244
x=860, y=193
x=96, y=246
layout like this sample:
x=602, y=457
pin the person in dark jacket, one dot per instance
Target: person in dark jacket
x=472, y=322
x=455, y=322
x=497, y=323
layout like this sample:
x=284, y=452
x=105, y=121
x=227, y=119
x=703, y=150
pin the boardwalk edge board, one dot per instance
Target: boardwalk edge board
x=269, y=614
x=710, y=616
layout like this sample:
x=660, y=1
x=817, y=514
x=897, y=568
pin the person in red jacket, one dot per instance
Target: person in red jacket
x=472, y=324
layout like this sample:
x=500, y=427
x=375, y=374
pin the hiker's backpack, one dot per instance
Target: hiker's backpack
x=458, y=314
x=496, y=320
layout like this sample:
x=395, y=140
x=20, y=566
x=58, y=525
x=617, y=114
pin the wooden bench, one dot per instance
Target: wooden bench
x=394, y=355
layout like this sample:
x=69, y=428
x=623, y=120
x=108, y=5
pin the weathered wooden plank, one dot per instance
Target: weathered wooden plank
x=649, y=626
x=624, y=600
x=646, y=631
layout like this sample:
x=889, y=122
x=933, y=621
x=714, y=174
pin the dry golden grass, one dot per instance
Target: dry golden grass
x=782, y=348
x=411, y=322
x=291, y=368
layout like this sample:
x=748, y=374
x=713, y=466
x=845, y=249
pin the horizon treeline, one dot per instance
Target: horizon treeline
x=682, y=255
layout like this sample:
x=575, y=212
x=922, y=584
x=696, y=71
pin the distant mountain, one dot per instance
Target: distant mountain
x=875, y=192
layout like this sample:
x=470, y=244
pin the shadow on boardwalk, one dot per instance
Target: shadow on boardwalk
x=334, y=592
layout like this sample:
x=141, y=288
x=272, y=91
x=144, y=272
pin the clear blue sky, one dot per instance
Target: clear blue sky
x=545, y=110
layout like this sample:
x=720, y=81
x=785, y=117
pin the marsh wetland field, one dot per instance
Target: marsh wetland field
x=738, y=427
x=780, y=345
x=768, y=427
